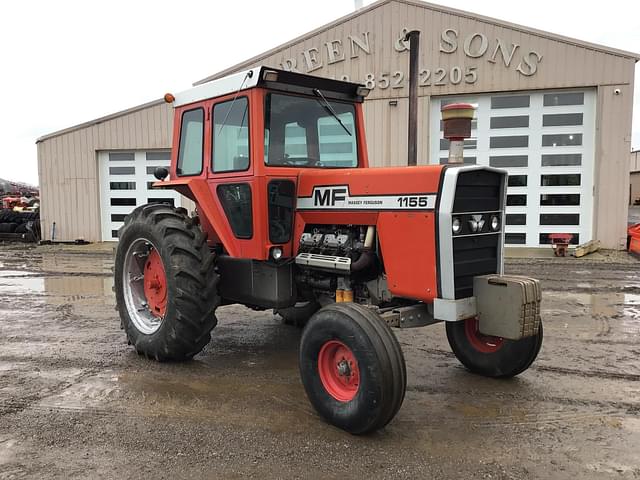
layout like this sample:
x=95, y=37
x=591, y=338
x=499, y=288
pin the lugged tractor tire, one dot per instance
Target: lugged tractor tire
x=491, y=356
x=352, y=368
x=299, y=314
x=168, y=320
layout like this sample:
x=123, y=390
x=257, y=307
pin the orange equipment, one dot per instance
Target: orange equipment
x=560, y=243
x=290, y=217
x=633, y=239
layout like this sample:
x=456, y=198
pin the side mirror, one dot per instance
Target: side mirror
x=161, y=173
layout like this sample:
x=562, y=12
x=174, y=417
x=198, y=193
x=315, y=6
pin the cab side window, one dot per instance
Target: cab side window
x=231, y=136
x=191, y=141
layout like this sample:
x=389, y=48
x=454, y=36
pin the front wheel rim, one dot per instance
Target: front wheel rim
x=144, y=285
x=482, y=343
x=338, y=370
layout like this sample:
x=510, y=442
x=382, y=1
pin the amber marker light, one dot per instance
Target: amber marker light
x=169, y=98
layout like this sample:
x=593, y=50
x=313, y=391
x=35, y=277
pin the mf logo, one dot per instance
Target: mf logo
x=329, y=196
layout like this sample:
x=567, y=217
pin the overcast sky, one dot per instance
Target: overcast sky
x=66, y=62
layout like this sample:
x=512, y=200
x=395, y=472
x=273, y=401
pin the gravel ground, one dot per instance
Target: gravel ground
x=77, y=402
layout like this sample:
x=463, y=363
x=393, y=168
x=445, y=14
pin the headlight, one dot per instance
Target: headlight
x=495, y=223
x=276, y=253
x=456, y=226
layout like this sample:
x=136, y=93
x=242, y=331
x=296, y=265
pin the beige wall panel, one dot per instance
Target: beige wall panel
x=612, y=165
x=68, y=168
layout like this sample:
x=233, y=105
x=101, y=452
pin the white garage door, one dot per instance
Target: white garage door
x=125, y=183
x=545, y=140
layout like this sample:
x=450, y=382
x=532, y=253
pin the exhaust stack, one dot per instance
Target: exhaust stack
x=414, y=52
x=457, y=126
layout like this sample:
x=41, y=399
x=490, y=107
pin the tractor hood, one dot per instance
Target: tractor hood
x=393, y=188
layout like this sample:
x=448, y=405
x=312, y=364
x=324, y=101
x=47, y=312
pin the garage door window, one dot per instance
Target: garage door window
x=509, y=161
x=516, y=219
x=191, y=137
x=556, y=99
x=562, y=140
x=122, y=185
x=567, y=160
x=560, y=180
x=517, y=180
x=513, y=101
x=560, y=199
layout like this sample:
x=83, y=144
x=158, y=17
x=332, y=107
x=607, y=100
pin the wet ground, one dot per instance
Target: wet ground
x=77, y=402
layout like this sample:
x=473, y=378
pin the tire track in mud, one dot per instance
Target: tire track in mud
x=52, y=273
x=603, y=406
x=629, y=377
x=12, y=406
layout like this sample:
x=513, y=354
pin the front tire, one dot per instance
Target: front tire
x=165, y=283
x=352, y=368
x=491, y=356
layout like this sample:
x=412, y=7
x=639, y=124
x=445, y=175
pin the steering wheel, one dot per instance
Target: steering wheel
x=280, y=229
x=301, y=162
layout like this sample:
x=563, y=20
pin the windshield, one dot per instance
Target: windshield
x=309, y=132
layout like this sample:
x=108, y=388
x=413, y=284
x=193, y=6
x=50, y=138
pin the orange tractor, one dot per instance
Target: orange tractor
x=290, y=217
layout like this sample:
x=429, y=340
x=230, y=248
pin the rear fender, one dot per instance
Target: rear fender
x=198, y=190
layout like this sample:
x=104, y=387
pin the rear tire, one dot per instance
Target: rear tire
x=352, y=368
x=165, y=283
x=299, y=314
x=491, y=356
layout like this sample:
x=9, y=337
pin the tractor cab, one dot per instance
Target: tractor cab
x=247, y=137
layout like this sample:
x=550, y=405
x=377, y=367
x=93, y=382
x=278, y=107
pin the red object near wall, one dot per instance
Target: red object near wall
x=633, y=242
x=560, y=243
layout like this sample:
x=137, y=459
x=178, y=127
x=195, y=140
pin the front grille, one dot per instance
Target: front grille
x=478, y=191
x=473, y=255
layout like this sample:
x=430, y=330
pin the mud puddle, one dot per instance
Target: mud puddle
x=606, y=303
x=17, y=285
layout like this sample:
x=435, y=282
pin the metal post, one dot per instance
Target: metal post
x=414, y=53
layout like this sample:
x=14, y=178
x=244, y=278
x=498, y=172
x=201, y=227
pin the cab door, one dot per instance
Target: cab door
x=231, y=170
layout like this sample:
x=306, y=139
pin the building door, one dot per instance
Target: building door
x=546, y=141
x=125, y=183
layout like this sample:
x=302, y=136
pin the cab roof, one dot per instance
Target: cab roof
x=275, y=80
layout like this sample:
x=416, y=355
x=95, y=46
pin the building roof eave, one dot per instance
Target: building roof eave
x=100, y=120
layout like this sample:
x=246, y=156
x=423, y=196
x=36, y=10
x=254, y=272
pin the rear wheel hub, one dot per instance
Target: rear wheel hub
x=155, y=284
x=144, y=286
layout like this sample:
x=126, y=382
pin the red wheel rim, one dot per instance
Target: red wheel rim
x=155, y=284
x=482, y=343
x=338, y=369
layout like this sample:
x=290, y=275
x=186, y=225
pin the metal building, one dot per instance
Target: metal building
x=554, y=111
x=634, y=178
